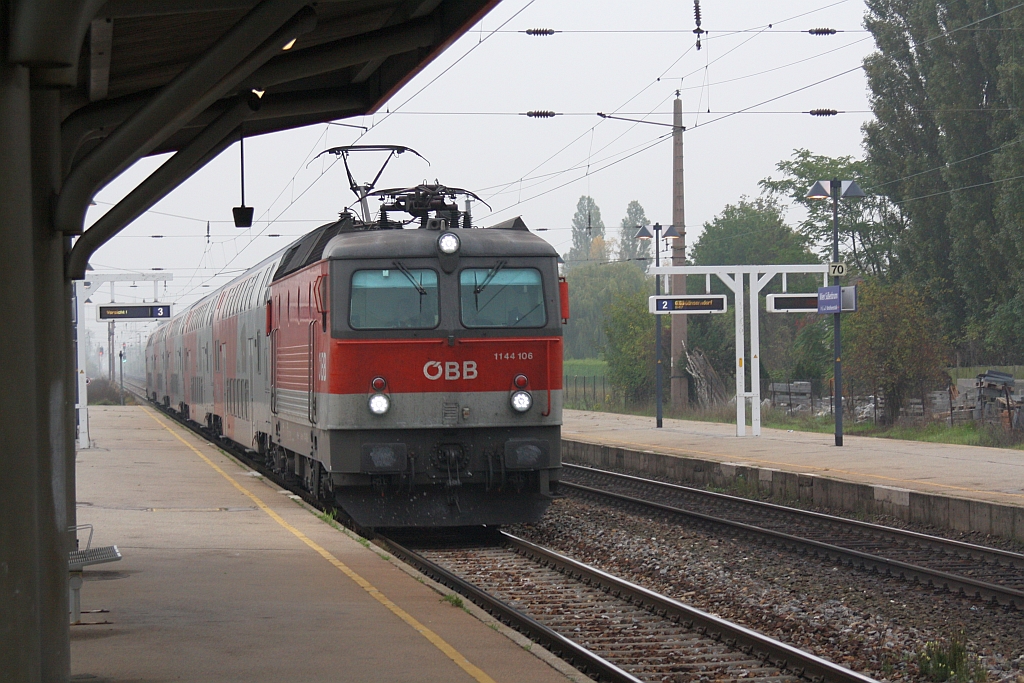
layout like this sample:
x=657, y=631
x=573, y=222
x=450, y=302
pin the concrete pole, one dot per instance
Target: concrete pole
x=21, y=595
x=55, y=384
x=677, y=362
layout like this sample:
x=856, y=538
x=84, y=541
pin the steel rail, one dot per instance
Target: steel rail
x=578, y=656
x=953, y=582
x=779, y=654
x=764, y=648
x=988, y=554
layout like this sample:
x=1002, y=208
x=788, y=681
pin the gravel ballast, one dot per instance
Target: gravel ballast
x=873, y=624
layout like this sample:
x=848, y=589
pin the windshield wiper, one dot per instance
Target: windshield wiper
x=408, y=276
x=490, y=276
x=526, y=315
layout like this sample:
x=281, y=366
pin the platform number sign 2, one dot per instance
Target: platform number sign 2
x=664, y=305
x=837, y=270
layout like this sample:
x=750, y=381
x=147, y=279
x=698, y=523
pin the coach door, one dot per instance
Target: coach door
x=311, y=384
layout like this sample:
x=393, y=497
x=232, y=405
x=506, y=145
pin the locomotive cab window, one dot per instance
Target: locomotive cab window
x=395, y=298
x=502, y=297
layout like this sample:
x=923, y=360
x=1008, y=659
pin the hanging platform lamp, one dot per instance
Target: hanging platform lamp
x=243, y=213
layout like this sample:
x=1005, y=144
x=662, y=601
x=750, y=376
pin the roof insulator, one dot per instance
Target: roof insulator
x=822, y=31
x=540, y=114
x=823, y=112
x=540, y=31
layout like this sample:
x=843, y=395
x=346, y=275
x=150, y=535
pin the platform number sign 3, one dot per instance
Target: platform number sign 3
x=837, y=270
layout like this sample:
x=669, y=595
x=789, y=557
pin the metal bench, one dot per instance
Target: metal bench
x=79, y=560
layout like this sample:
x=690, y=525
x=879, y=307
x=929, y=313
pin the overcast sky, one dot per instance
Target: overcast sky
x=463, y=113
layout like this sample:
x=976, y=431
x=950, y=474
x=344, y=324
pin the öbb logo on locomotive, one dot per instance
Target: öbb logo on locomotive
x=434, y=370
x=281, y=360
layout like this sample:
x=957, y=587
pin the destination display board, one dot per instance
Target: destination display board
x=154, y=311
x=807, y=302
x=792, y=303
x=687, y=304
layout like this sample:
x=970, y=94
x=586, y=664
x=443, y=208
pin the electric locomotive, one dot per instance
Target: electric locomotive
x=407, y=371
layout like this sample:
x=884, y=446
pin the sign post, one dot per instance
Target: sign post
x=734, y=278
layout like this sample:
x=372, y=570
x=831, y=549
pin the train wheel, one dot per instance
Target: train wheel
x=326, y=488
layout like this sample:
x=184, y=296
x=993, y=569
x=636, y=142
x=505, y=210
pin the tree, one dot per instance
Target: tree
x=592, y=288
x=586, y=227
x=631, y=248
x=869, y=228
x=892, y=343
x=944, y=144
x=630, y=349
x=749, y=232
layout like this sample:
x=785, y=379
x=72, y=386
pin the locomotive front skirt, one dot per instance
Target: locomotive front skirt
x=410, y=376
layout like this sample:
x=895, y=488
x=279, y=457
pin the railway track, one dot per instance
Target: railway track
x=609, y=628
x=989, y=573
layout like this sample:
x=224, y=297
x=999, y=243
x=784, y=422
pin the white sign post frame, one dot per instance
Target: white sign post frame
x=733, y=277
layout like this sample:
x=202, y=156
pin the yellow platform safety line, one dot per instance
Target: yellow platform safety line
x=435, y=640
x=814, y=468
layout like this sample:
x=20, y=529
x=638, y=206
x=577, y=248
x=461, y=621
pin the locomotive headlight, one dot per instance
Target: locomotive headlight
x=448, y=243
x=521, y=401
x=379, y=404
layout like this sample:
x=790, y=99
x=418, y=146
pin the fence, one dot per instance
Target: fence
x=590, y=392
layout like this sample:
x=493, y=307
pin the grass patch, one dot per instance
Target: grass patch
x=585, y=367
x=949, y=660
x=970, y=373
x=454, y=600
x=329, y=517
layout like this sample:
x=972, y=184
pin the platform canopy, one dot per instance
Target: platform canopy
x=148, y=77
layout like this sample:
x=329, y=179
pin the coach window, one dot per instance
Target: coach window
x=502, y=297
x=396, y=298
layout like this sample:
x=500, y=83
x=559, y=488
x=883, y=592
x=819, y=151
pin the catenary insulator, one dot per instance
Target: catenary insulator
x=822, y=31
x=823, y=112
x=540, y=31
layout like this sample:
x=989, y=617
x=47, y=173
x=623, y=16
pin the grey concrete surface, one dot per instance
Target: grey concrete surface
x=212, y=588
x=966, y=488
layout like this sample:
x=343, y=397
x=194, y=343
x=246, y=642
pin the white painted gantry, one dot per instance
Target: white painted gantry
x=734, y=277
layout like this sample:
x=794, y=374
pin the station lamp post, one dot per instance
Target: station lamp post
x=836, y=189
x=670, y=233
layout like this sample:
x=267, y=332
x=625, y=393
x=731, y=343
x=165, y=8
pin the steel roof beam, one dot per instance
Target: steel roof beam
x=212, y=141
x=271, y=25
x=90, y=122
x=341, y=54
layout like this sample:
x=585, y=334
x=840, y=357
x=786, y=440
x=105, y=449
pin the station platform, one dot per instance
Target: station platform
x=225, y=577
x=964, y=488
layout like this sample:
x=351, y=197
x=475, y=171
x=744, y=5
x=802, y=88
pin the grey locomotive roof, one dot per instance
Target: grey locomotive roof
x=418, y=242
